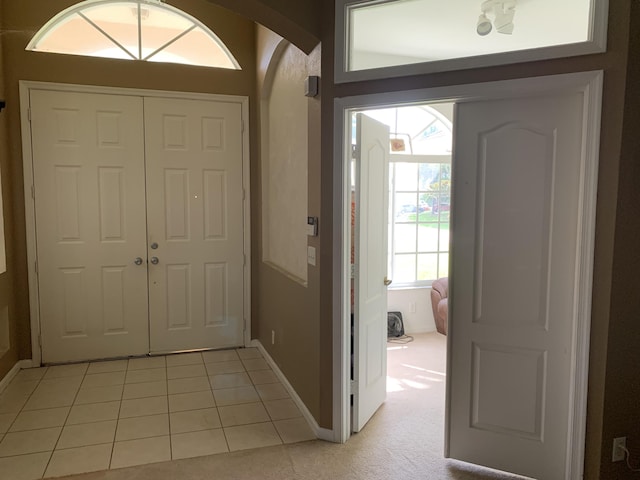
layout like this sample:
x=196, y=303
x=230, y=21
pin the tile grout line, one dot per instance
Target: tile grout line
x=261, y=402
x=226, y=439
x=124, y=384
x=269, y=414
x=224, y=429
x=25, y=402
x=169, y=412
x=224, y=433
x=115, y=433
x=65, y=420
x=267, y=410
x=166, y=366
x=18, y=414
x=29, y=411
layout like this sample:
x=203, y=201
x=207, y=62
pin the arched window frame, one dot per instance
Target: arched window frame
x=59, y=20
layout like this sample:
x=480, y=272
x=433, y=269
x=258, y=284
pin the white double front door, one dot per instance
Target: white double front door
x=139, y=224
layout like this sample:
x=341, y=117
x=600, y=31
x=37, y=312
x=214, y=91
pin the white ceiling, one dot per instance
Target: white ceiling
x=442, y=29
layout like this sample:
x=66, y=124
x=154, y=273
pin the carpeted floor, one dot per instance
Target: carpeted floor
x=404, y=439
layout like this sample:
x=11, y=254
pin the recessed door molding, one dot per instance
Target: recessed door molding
x=28, y=170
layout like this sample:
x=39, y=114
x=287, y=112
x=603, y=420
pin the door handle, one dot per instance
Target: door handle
x=387, y=281
x=154, y=245
x=138, y=261
x=154, y=260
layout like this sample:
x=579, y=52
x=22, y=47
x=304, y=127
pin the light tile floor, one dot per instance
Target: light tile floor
x=87, y=417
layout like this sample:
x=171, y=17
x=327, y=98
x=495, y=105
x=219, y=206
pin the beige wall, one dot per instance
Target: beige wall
x=284, y=135
x=285, y=305
x=267, y=42
x=622, y=386
x=297, y=21
x=20, y=20
x=9, y=359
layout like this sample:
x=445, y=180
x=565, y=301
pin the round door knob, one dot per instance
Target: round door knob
x=154, y=260
x=138, y=261
x=387, y=281
x=154, y=245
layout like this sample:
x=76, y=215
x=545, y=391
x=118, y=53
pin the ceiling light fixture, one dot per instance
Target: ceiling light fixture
x=484, y=25
x=503, y=12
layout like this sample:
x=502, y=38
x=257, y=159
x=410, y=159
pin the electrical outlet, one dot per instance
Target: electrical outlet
x=273, y=337
x=618, y=453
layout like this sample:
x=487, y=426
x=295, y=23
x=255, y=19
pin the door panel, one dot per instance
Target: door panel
x=90, y=212
x=195, y=215
x=372, y=167
x=518, y=172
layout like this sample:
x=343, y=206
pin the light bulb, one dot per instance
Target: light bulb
x=484, y=25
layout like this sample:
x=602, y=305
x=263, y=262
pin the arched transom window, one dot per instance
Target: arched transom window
x=147, y=30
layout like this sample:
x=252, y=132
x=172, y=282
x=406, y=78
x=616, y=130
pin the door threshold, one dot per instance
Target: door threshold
x=194, y=350
x=150, y=354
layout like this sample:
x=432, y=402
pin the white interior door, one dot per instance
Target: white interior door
x=517, y=201
x=370, y=315
x=195, y=222
x=88, y=163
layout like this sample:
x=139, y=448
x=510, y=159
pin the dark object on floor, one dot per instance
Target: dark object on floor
x=439, y=303
x=395, y=327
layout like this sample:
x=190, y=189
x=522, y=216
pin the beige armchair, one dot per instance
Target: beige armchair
x=439, y=303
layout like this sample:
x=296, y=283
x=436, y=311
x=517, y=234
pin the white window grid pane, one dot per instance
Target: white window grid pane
x=438, y=196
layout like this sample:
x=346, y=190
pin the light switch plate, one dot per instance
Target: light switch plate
x=311, y=256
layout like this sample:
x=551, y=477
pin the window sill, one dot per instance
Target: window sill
x=409, y=287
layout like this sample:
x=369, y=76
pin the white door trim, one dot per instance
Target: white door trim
x=30, y=218
x=588, y=82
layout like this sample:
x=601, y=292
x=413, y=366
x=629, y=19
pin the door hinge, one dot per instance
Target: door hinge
x=244, y=194
x=244, y=260
x=353, y=271
x=353, y=386
x=33, y=191
x=35, y=266
x=243, y=126
x=29, y=114
x=40, y=340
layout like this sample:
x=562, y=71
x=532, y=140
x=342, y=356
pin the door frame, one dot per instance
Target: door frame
x=29, y=195
x=590, y=84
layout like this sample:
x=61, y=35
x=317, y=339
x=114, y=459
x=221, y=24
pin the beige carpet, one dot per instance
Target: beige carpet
x=404, y=439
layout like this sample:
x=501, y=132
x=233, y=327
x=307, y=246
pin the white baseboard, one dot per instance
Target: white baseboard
x=325, y=434
x=20, y=364
x=26, y=363
x=321, y=433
